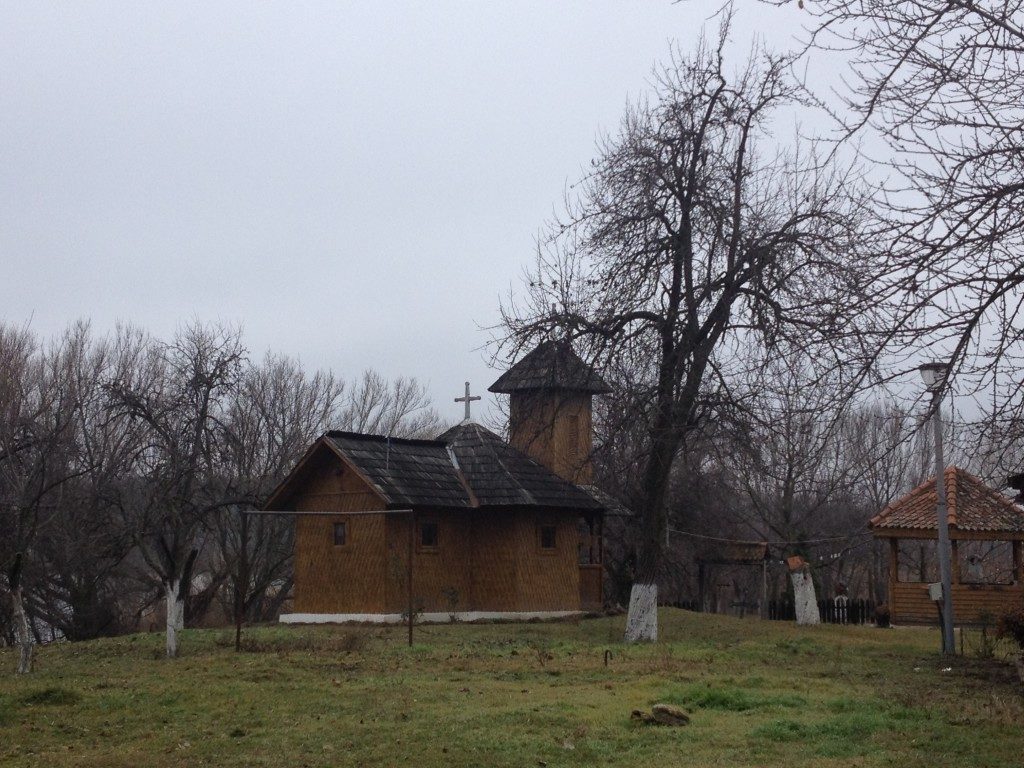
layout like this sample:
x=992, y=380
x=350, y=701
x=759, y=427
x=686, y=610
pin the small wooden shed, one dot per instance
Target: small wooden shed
x=986, y=532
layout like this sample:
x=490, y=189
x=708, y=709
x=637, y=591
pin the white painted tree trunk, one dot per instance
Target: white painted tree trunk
x=175, y=616
x=22, y=632
x=642, y=619
x=804, y=599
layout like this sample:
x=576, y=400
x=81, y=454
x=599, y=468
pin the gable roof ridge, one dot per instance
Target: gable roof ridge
x=889, y=508
x=473, y=500
x=951, y=477
x=375, y=438
x=993, y=493
x=926, y=486
x=323, y=442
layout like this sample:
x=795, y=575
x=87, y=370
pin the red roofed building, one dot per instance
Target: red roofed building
x=986, y=530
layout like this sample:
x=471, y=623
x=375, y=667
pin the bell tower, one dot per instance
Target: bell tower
x=550, y=392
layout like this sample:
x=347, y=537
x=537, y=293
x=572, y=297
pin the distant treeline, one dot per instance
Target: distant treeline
x=125, y=461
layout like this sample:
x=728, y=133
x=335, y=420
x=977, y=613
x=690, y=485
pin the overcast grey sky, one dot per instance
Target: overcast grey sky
x=356, y=184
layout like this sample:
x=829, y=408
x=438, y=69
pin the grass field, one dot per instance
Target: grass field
x=760, y=694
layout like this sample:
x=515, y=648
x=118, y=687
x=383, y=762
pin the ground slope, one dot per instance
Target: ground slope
x=760, y=693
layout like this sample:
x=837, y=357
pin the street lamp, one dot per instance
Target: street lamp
x=934, y=375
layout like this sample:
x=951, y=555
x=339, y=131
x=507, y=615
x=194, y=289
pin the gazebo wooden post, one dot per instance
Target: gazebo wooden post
x=1018, y=561
x=894, y=572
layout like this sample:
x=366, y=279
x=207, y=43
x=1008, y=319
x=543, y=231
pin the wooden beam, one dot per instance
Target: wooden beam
x=327, y=513
x=930, y=535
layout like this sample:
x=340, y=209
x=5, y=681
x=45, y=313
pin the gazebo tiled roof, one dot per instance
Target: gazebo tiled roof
x=971, y=506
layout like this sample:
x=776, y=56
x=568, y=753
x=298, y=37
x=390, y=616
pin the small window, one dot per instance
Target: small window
x=340, y=534
x=429, y=535
x=547, y=537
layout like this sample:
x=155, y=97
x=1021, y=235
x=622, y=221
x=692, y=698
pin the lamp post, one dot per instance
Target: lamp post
x=934, y=375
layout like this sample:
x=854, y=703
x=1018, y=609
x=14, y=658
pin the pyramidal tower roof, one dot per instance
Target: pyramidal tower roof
x=552, y=365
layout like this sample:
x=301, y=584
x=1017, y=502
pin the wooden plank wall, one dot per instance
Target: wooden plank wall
x=546, y=580
x=909, y=602
x=485, y=560
x=554, y=428
x=338, y=579
x=441, y=581
x=592, y=587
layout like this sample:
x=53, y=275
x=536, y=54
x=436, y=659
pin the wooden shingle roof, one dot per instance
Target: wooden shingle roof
x=466, y=467
x=971, y=506
x=499, y=475
x=405, y=472
x=552, y=365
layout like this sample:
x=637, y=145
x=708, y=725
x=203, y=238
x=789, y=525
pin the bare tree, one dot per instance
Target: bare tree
x=884, y=442
x=686, y=242
x=80, y=592
x=40, y=392
x=181, y=393
x=400, y=408
x=942, y=82
x=278, y=411
x=789, y=458
x=125, y=463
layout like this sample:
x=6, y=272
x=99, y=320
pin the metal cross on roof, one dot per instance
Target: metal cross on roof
x=467, y=400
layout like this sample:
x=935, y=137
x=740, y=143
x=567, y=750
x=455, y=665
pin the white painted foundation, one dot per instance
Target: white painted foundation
x=424, y=618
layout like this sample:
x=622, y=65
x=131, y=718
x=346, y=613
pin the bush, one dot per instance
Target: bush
x=883, y=617
x=1011, y=625
x=51, y=697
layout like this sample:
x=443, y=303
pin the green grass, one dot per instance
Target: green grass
x=759, y=694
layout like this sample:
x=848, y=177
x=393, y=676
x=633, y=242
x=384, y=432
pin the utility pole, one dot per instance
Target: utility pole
x=934, y=375
x=408, y=573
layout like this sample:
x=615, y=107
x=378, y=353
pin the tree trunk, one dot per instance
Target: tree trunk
x=175, y=615
x=642, y=620
x=22, y=631
x=805, y=600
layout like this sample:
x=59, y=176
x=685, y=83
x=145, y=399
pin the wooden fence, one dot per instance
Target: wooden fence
x=832, y=611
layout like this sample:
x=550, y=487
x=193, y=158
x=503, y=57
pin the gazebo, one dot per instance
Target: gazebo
x=986, y=532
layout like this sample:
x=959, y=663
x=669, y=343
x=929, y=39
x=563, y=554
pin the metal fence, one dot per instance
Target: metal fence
x=835, y=611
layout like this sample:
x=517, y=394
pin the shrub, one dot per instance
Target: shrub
x=883, y=617
x=1011, y=625
x=51, y=697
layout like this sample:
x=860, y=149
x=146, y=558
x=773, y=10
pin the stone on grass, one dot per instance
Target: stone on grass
x=662, y=714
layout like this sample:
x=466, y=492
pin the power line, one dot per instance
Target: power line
x=770, y=543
